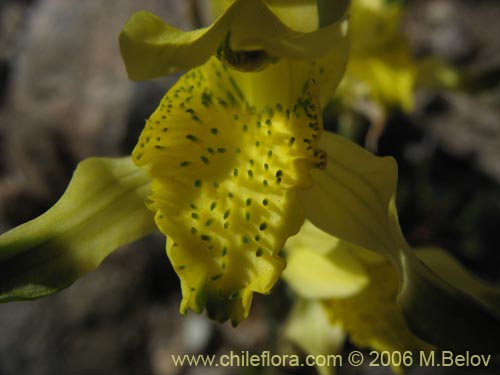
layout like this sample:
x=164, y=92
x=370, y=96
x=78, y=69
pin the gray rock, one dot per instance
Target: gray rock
x=70, y=97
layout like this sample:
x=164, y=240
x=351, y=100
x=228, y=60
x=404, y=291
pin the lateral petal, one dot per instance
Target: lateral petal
x=354, y=201
x=102, y=209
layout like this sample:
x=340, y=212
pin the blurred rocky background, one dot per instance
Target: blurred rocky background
x=64, y=96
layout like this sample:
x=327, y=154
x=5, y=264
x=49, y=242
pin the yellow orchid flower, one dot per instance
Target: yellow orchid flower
x=224, y=157
x=230, y=163
x=381, y=68
x=228, y=152
x=382, y=73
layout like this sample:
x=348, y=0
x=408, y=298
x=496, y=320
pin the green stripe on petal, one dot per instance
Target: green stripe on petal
x=150, y=48
x=354, y=201
x=102, y=209
x=226, y=171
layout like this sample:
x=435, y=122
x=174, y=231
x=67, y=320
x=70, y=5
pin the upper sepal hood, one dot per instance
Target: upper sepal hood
x=248, y=36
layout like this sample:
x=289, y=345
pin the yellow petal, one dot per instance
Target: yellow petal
x=371, y=318
x=330, y=71
x=102, y=209
x=354, y=201
x=350, y=199
x=309, y=328
x=374, y=26
x=321, y=266
x=312, y=275
x=312, y=239
x=381, y=67
x=226, y=170
x=387, y=78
